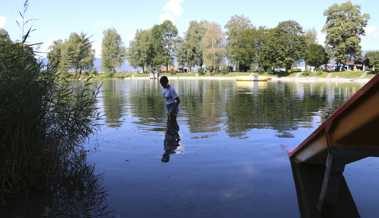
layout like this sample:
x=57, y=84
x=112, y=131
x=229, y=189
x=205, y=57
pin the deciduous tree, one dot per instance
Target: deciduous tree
x=344, y=27
x=4, y=36
x=191, y=49
x=141, y=51
x=238, y=34
x=316, y=56
x=78, y=54
x=55, y=56
x=113, y=51
x=213, y=47
x=373, y=60
x=310, y=37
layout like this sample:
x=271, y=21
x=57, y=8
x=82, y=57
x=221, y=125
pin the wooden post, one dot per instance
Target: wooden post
x=335, y=198
x=322, y=191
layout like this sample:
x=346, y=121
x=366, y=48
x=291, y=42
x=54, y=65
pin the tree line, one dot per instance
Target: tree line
x=205, y=46
x=244, y=47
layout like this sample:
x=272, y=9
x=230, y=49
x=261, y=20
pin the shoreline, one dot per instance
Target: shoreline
x=273, y=79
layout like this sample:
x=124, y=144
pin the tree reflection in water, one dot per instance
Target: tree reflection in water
x=213, y=106
x=113, y=102
x=75, y=191
x=146, y=103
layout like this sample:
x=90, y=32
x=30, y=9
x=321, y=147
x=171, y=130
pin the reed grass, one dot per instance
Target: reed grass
x=44, y=118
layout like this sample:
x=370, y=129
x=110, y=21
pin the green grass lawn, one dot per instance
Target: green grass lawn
x=323, y=74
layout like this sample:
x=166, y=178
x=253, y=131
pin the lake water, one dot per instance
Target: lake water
x=232, y=161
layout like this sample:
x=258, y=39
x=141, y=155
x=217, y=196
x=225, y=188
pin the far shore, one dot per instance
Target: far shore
x=303, y=77
x=273, y=79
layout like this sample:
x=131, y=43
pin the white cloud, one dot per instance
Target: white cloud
x=172, y=10
x=2, y=21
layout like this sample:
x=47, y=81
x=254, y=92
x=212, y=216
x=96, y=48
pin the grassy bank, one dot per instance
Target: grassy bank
x=342, y=74
x=304, y=75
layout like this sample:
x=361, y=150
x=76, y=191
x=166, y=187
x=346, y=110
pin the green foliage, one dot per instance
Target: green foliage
x=213, y=47
x=113, y=50
x=154, y=47
x=247, y=46
x=291, y=43
x=74, y=54
x=241, y=46
x=373, y=60
x=189, y=52
x=164, y=38
x=4, y=36
x=141, y=51
x=283, y=45
x=43, y=119
x=316, y=55
x=310, y=37
x=169, y=34
x=344, y=27
x=55, y=56
x=78, y=52
x=323, y=74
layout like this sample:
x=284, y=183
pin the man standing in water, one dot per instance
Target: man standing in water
x=172, y=137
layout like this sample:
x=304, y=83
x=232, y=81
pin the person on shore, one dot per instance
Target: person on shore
x=172, y=99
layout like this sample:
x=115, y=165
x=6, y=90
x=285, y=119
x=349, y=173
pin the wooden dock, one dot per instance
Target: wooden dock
x=350, y=134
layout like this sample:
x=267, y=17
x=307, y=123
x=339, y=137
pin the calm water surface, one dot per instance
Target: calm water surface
x=232, y=161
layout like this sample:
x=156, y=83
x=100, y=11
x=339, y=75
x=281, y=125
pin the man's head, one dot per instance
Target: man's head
x=164, y=81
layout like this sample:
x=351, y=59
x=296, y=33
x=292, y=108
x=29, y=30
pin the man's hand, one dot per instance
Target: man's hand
x=177, y=101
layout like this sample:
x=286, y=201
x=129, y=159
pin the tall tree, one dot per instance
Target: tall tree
x=316, y=56
x=213, y=47
x=169, y=38
x=191, y=49
x=285, y=44
x=78, y=53
x=263, y=57
x=55, y=56
x=182, y=53
x=236, y=47
x=141, y=51
x=344, y=27
x=373, y=60
x=310, y=37
x=112, y=50
x=4, y=36
x=163, y=39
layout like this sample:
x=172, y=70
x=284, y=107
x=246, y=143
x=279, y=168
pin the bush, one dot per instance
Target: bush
x=295, y=70
x=105, y=75
x=373, y=60
x=43, y=117
x=306, y=73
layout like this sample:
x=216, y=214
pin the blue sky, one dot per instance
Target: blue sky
x=57, y=19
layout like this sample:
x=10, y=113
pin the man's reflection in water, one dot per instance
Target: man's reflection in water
x=172, y=138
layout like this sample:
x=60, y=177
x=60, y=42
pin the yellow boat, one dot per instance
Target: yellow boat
x=253, y=79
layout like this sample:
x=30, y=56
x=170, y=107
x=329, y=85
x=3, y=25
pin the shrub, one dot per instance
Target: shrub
x=44, y=118
x=306, y=73
x=373, y=60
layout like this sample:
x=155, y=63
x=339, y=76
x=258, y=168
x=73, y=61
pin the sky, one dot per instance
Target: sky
x=55, y=19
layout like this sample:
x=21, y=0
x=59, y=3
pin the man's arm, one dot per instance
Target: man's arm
x=177, y=100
